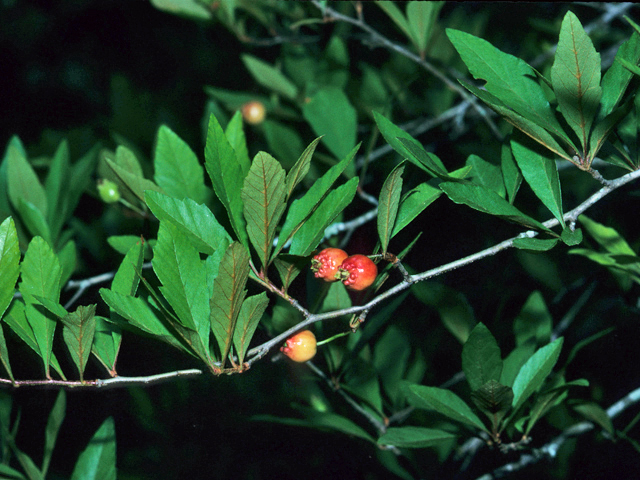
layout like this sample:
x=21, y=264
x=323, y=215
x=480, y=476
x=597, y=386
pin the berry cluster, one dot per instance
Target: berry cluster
x=357, y=272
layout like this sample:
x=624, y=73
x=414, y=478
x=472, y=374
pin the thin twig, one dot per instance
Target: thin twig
x=550, y=450
x=107, y=383
x=569, y=217
x=380, y=39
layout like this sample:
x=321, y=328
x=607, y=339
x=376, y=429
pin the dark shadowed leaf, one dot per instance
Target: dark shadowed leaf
x=98, y=460
x=485, y=200
x=332, y=116
x=415, y=437
x=388, y=205
x=481, y=360
x=444, y=402
x=53, y=427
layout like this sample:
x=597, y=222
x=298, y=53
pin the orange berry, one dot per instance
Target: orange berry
x=253, y=112
x=326, y=263
x=300, y=347
x=357, y=272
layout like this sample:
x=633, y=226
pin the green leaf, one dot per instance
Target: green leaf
x=484, y=200
x=539, y=170
x=452, y=306
x=127, y=277
x=127, y=168
x=301, y=167
x=9, y=262
x=194, y=221
x=415, y=437
x=533, y=322
x=508, y=78
x=422, y=17
x=596, y=414
x=248, y=319
x=575, y=76
x=584, y=342
x=4, y=354
x=289, y=267
x=444, y=402
x=607, y=237
x=603, y=128
x=426, y=160
x=311, y=233
x=40, y=276
x=510, y=173
x=56, y=188
x=234, y=132
x=78, y=332
x=140, y=315
x=106, y=343
x=178, y=266
x=616, y=80
x=571, y=237
x=535, y=371
x=481, y=360
x=177, y=169
x=413, y=204
x=228, y=294
x=331, y=115
x=16, y=319
x=303, y=207
x=493, y=398
x=548, y=400
x=34, y=220
x=227, y=174
x=529, y=127
x=486, y=174
x=284, y=142
x=396, y=15
x=187, y=8
x=388, y=205
x=269, y=77
x=22, y=181
x=535, y=244
x=98, y=460
x=263, y=196
x=53, y=427
x=339, y=423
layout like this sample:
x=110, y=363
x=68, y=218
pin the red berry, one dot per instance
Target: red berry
x=326, y=263
x=301, y=347
x=357, y=272
x=253, y=112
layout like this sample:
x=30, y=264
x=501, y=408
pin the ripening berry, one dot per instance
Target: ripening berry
x=326, y=263
x=300, y=347
x=108, y=191
x=357, y=272
x=253, y=112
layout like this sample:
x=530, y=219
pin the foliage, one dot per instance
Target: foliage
x=212, y=272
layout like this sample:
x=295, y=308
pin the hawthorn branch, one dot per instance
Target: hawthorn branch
x=550, y=450
x=379, y=39
x=569, y=217
x=107, y=383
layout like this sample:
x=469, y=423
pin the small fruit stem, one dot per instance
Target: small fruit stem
x=330, y=339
